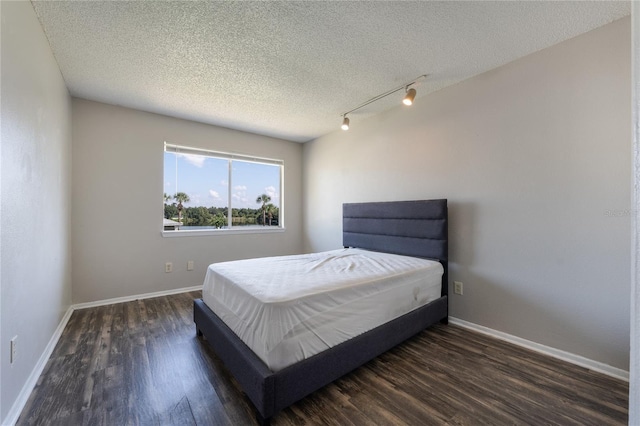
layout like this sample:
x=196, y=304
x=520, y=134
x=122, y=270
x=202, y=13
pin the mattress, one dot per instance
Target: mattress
x=289, y=308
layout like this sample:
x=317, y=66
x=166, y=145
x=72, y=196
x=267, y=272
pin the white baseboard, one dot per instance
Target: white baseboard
x=135, y=297
x=546, y=350
x=25, y=393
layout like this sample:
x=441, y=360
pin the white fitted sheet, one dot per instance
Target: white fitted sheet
x=290, y=308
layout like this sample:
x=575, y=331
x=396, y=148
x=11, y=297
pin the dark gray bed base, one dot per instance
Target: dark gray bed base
x=271, y=392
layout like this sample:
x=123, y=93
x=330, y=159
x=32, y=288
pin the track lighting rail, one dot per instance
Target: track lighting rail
x=408, y=100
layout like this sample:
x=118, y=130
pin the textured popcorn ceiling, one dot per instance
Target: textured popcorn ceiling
x=289, y=69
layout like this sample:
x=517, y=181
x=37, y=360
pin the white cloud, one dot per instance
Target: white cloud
x=196, y=160
x=241, y=199
x=240, y=196
x=271, y=192
x=194, y=200
x=214, y=194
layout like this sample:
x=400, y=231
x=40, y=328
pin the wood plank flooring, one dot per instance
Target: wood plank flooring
x=140, y=363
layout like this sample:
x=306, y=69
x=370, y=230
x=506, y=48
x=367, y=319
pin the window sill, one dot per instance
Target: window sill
x=208, y=232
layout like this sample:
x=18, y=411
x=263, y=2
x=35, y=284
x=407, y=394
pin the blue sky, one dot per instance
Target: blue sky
x=205, y=180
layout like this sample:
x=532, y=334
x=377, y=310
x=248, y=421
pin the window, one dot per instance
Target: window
x=210, y=192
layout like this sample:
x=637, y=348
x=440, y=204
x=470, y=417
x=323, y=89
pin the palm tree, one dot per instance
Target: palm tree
x=167, y=197
x=181, y=197
x=271, y=211
x=264, y=199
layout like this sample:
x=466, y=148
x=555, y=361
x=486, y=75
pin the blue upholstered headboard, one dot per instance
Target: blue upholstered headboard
x=410, y=228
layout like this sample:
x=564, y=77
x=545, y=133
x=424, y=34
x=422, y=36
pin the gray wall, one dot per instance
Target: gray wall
x=534, y=158
x=634, y=370
x=117, y=202
x=35, y=196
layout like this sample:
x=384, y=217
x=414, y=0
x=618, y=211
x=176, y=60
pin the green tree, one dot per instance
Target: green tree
x=219, y=221
x=170, y=211
x=198, y=216
x=271, y=212
x=181, y=197
x=264, y=199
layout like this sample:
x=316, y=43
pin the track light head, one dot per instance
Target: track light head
x=345, y=123
x=409, y=97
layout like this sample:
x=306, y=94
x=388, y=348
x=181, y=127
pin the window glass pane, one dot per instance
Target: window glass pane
x=253, y=181
x=198, y=190
x=199, y=185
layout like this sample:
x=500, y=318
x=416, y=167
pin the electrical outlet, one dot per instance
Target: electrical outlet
x=168, y=267
x=190, y=265
x=457, y=287
x=14, y=347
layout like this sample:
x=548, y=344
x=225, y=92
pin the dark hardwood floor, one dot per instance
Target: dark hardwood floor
x=140, y=363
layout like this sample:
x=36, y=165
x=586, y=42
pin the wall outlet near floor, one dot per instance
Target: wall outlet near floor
x=14, y=346
x=457, y=287
x=190, y=265
x=168, y=267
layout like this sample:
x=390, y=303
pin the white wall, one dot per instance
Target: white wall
x=35, y=196
x=117, y=202
x=534, y=158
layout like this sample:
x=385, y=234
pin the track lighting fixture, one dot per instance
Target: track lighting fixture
x=345, y=123
x=410, y=95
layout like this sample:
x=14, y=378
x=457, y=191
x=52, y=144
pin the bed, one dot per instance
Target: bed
x=407, y=228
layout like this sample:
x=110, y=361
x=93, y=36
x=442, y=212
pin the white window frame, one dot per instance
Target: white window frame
x=179, y=149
